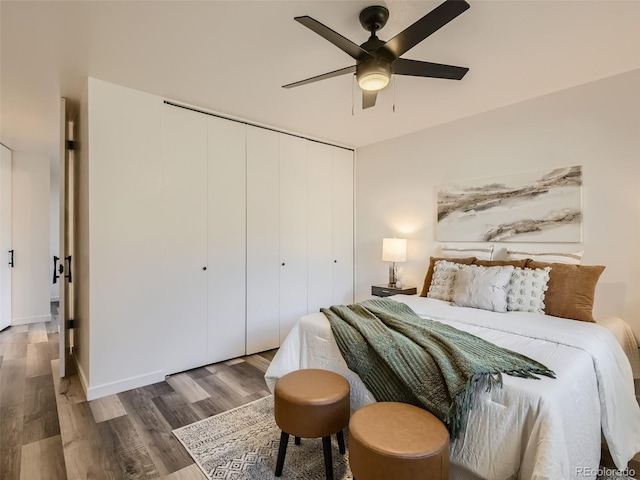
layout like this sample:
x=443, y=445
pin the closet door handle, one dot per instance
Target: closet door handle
x=56, y=273
x=11, y=264
x=68, y=275
x=204, y=268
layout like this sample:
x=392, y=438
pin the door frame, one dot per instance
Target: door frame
x=67, y=208
x=6, y=254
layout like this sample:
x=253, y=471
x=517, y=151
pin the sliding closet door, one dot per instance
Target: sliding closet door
x=226, y=239
x=185, y=238
x=263, y=240
x=319, y=231
x=342, y=226
x=293, y=231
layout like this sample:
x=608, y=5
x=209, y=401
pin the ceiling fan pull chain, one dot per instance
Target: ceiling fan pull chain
x=353, y=88
x=394, y=95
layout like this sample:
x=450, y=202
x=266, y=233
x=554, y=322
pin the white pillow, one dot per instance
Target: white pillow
x=526, y=289
x=571, y=258
x=481, y=253
x=443, y=280
x=482, y=287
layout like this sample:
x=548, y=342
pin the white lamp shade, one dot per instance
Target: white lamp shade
x=394, y=249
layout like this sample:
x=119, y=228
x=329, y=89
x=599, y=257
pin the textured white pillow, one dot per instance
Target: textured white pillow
x=481, y=253
x=443, y=280
x=571, y=258
x=526, y=289
x=482, y=287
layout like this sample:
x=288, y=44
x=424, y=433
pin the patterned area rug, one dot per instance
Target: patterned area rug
x=243, y=444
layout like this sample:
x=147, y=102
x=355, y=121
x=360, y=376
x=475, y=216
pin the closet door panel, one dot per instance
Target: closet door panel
x=293, y=231
x=263, y=240
x=226, y=239
x=342, y=226
x=319, y=231
x=185, y=238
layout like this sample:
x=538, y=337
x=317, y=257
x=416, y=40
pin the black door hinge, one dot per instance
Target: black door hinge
x=70, y=145
x=71, y=324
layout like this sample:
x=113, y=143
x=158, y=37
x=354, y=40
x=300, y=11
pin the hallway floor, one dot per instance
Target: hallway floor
x=49, y=435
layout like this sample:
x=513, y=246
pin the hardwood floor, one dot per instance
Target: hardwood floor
x=49, y=431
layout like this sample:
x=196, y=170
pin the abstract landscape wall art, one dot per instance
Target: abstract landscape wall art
x=534, y=207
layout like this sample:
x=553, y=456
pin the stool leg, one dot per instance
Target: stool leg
x=284, y=439
x=328, y=461
x=340, y=437
x=297, y=441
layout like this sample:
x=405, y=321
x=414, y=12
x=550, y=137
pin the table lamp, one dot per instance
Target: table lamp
x=394, y=250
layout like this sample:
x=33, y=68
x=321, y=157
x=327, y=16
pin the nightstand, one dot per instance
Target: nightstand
x=386, y=291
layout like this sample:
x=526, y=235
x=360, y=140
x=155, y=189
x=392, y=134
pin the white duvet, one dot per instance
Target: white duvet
x=529, y=429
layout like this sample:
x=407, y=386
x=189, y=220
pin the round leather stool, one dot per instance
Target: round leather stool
x=399, y=441
x=311, y=403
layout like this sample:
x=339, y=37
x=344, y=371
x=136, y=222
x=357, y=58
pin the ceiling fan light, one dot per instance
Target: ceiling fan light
x=373, y=82
x=373, y=76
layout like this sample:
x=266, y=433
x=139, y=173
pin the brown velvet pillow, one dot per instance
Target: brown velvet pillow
x=571, y=289
x=501, y=263
x=432, y=262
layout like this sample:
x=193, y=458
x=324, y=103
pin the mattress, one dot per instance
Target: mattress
x=544, y=429
x=625, y=337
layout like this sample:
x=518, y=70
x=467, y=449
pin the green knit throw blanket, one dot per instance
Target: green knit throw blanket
x=404, y=358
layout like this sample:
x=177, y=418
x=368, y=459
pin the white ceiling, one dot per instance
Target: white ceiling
x=233, y=56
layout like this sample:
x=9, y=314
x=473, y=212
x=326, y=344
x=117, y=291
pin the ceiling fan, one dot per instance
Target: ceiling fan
x=377, y=60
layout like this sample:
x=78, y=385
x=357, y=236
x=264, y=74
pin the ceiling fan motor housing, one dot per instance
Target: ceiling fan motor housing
x=373, y=74
x=374, y=18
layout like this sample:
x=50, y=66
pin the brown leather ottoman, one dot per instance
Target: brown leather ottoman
x=399, y=441
x=311, y=403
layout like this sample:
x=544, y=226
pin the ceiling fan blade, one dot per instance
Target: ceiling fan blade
x=344, y=44
x=335, y=73
x=430, y=23
x=368, y=99
x=403, y=66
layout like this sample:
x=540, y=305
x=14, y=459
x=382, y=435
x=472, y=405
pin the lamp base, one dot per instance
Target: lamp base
x=393, y=274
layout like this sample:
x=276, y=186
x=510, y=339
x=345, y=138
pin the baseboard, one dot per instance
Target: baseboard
x=28, y=320
x=81, y=376
x=100, y=391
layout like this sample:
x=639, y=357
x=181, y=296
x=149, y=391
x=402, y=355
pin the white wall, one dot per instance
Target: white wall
x=125, y=232
x=30, y=238
x=596, y=125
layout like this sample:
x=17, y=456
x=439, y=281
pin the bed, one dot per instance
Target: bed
x=545, y=429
